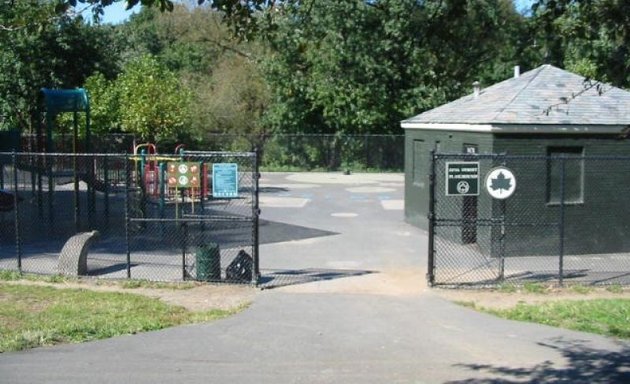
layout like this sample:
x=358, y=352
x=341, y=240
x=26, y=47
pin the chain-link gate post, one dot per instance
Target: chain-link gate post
x=16, y=214
x=431, y=222
x=255, y=218
x=502, y=234
x=127, y=218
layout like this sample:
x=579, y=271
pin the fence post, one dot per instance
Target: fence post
x=76, y=192
x=184, y=240
x=106, y=188
x=256, y=214
x=561, y=221
x=16, y=217
x=502, y=244
x=127, y=237
x=431, y=218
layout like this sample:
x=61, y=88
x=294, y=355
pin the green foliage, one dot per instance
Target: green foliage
x=6, y=275
x=507, y=288
x=226, y=88
x=361, y=67
x=246, y=18
x=146, y=100
x=536, y=288
x=589, y=37
x=104, y=104
x=606, y=317
x=32, y=316
x=40, y=49
x=615, y=288
x=154, y=105
x=581, y=289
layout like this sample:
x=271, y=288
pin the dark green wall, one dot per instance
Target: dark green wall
x=418, y=146
x=600, y=223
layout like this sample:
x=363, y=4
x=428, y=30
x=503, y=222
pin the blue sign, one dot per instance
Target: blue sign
x=225, y=180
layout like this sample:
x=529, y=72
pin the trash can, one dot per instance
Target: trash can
x=208, y=260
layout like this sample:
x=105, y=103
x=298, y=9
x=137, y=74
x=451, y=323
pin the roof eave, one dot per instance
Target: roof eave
x=517, y=128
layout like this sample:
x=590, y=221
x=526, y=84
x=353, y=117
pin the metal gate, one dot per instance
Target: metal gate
x=499, y=219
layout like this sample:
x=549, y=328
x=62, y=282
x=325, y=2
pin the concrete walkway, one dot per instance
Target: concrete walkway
x=346, y=305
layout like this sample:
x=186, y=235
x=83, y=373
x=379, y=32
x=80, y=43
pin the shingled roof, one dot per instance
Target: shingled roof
x=543, y=96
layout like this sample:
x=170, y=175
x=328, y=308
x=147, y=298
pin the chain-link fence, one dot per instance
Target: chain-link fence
x=154, y=217
x=563, y=218
x=320, y=152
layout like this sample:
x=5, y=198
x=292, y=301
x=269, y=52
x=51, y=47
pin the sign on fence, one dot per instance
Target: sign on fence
x=500, y=183
x=462, y=178
x=183, y=174
x=225, y=180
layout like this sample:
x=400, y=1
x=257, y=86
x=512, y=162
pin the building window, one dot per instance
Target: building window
x=573, y=175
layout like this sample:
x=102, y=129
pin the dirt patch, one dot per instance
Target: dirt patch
x=198, y=297
x=391, y=282
x=501, y=300
x=410, y=281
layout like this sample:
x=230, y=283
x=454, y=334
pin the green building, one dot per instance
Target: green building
x=546, y=113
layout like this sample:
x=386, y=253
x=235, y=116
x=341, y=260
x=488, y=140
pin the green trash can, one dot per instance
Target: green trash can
x=208, y=260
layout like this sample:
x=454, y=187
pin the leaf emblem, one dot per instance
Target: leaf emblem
x=500, y=182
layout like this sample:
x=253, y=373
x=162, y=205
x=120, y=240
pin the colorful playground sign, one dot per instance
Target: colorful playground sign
x=183, y=175
x=225, y=180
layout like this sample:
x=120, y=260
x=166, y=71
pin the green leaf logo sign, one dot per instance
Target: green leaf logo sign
x=500, y=183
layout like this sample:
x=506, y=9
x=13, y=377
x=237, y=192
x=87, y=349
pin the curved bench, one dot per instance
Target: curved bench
x=73, y=256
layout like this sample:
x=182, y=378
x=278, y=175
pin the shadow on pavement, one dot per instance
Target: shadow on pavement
x=275, y=232
x=584, y=365
x=283, y=278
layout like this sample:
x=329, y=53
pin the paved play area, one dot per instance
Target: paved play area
x=328, y=226
x=343, y=301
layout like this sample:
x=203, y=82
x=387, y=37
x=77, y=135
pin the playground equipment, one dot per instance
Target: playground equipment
x=56, y=101
x=53, y=103
x=170, y=179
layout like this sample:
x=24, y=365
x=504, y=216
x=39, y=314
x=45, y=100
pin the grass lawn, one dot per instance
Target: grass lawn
x=33, y=316
x=609, y=317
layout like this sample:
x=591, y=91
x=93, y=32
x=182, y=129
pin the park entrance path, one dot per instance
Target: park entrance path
x=345, y=302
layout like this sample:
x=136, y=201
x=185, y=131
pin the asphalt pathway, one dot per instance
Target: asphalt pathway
x=347, y=305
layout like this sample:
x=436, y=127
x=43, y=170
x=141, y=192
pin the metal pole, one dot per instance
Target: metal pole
x=431, y=218
x=16, y=217
x=502, y=244
x=76, y=191
x=2, y=175
x=127, y=182
x=106, y=187
x=184, y=243
x=561, y=224
x=255, y=215
x=91, y=175
x=161, y=181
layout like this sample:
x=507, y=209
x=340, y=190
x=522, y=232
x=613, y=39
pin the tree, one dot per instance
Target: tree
x=146, y=100
x=246, y=17
x=361, y=67
x=154, y=106
x=585, y=36
x=59, y=52
x=220, y=71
